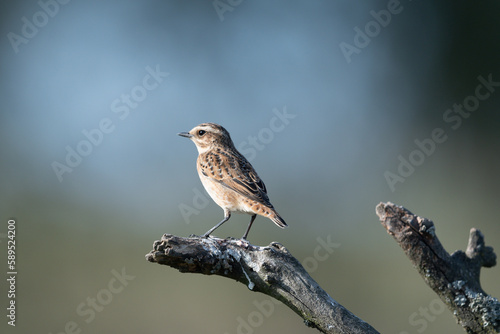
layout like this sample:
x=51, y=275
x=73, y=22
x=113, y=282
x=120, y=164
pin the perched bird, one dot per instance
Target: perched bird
x=228, y=177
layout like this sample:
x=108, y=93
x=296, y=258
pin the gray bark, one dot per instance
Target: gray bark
x=454, y=278
x=271, y=270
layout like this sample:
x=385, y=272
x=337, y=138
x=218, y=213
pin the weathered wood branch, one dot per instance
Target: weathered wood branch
x=454, y=278
x=271, y=270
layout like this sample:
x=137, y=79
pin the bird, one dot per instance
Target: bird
x=228, y=177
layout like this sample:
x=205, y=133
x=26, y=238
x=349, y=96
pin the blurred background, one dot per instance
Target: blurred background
x=328, y=100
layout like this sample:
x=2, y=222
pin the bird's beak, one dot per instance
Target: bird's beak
x=185, y=134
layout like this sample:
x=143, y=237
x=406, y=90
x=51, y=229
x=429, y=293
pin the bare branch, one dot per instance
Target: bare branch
x=454, y=278
x=271, y=270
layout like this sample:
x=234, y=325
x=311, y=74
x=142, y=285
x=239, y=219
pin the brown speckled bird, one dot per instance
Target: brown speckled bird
x=228, y=177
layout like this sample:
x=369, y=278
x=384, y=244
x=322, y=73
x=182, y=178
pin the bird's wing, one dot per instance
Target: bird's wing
x=236, y=173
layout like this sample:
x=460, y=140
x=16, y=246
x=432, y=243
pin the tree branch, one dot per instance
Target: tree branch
x=454, y=278
x=271, y=270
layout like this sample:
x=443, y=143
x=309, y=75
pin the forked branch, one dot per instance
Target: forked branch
x=273, y=271
x=454, y=278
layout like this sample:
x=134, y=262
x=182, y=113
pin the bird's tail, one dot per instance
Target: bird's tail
x=276, y=218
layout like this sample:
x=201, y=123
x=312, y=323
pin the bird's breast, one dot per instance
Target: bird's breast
x=224, y=197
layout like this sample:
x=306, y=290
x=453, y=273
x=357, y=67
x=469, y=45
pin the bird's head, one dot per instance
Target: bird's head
x=207, y=136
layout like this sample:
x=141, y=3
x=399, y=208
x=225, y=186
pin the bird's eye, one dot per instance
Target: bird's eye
x=201, y=132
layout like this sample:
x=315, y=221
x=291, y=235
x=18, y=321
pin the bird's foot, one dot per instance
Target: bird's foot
x=243, y=242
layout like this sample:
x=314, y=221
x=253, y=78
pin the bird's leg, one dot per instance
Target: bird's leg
x=244, y=237
x=227, y=215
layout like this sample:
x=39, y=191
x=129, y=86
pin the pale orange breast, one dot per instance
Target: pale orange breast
x=231, y=200
x=225, y=198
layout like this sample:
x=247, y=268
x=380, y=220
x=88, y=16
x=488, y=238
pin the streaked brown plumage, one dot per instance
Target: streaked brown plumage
x=228, y=177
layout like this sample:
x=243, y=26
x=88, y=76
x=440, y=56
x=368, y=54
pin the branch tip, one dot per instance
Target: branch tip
x=477, y=249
